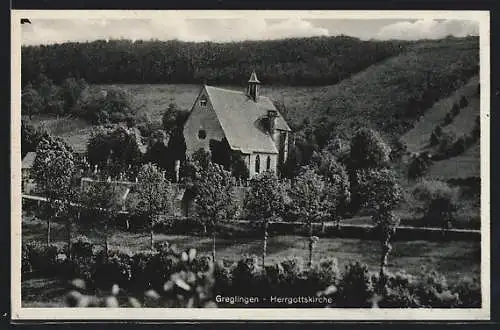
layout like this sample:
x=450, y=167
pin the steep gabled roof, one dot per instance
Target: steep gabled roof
x=242, y=118
x=28, y=160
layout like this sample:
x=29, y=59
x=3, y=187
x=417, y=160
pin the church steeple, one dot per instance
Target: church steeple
x=253, y=86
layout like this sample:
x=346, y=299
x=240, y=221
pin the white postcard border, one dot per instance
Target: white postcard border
x=19, y=313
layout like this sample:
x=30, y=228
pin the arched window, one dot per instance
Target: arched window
x=268, y=163
x=202, y=134
x=257, y=164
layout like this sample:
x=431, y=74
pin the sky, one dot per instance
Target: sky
x=48, y=31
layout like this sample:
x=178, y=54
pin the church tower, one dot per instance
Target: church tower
x=253, y=86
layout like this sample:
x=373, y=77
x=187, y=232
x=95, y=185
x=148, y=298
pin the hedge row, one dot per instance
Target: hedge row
x=154, y=272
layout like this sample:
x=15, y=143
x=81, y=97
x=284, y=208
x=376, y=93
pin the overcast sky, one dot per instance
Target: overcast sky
x=47, y=31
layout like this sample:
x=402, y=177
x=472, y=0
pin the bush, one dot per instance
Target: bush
x=446, y=142
x=463, y=102
x=247, y=277
x=455, y=110
x=113, y=269
x=355, y=287
x=40, y=258
x=399, y=291
x=437, y=201
x=118, y=117
x=82, y=248
x=469, y=292
x=322, y=275
x=432, y=290
x=419, y=165
x=448, y=118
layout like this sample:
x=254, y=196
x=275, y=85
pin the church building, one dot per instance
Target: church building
x=249, y=122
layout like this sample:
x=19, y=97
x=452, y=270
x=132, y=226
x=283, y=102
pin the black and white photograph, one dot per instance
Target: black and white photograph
x=320, y=165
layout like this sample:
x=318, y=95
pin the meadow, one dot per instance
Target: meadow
x=454, y=259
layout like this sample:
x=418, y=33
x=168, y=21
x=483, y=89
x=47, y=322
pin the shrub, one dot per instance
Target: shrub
x=476, y=131
x=455, y=110
x=355, y=287
x=247, y=277
x=463, y=102
x=118, y=117
x=113, y=269
x=399, y=291
x=469, y=292
x=41, y=258
x=82, y=248
x=447, y=141
x=448, y=118
x=437, y=201
x=183, y=288
x=140, y=270
x=419, y=165
x=432, y=290
x=322, y=275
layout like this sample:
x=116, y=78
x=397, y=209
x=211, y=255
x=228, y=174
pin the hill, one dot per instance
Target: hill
x=417, y=138
x=294, y=61
x=392, y=95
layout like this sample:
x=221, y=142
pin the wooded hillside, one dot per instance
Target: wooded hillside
x=296, y=61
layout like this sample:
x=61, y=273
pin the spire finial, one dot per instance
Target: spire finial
x=253, y=86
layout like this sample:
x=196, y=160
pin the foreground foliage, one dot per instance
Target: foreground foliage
x=172, y=277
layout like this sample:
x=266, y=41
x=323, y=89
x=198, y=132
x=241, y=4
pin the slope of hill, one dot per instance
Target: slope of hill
x=392, y=95
x=417, y=138
x=464, y=166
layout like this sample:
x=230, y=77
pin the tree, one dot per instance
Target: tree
x=307, y=194
x=437, y=201
x=71, y=90
x=214, y=201
x=173, y=117
x=239, y=168
x=367, y=151
x=381, y=192
x=31, y=101
x=98, y=106
x=419, y=165
x=53, y=171
x=30, y=137
x=448, y=139
x=102, y=202
x=264, y=202
x=337, y=186
x=154, y=196
x=50, y=95
x=114, y=150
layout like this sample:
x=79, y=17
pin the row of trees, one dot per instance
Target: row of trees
x=296, y=61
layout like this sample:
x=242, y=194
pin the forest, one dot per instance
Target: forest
x=295, y=61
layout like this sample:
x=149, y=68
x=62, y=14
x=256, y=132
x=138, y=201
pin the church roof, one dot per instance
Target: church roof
x=242, y=118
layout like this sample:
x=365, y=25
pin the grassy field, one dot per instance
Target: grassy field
x=463, y=166
x=417, y=139
x=453, y=259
